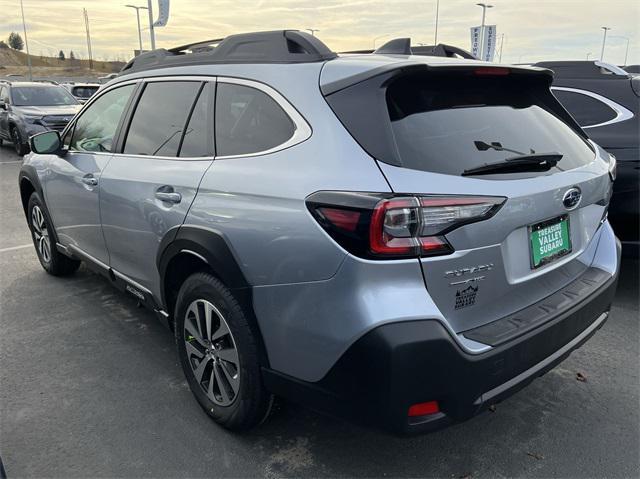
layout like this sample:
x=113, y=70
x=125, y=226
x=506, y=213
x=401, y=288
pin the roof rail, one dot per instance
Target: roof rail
x=402, y=46
x=280, y=46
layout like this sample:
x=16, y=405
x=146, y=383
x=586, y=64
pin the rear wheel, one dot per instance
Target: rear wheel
x=18, y=143
x=218, y=352
x=51, y=259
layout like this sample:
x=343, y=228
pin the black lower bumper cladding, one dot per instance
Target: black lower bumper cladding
x=400, y=364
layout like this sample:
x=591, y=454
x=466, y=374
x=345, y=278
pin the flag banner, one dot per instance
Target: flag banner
x=163, y=13
x=489, y=43
x=475, y=41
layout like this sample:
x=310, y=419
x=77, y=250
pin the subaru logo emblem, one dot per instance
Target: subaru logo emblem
x=571, y=198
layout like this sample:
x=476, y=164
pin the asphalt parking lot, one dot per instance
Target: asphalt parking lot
x=90, y=387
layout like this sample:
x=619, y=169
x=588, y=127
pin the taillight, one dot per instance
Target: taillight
x=414, y=225
x=381, y=226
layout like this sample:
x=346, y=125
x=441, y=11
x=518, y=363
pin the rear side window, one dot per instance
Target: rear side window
x=586, y=110
x=160, y=117
x=248, y=121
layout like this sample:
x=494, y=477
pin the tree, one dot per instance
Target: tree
x=3, y=45
x=15, y=41
x=61, y=55
x=71, y=55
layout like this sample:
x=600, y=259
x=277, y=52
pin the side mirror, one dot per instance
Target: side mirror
x=3, y=105
x=46, y=142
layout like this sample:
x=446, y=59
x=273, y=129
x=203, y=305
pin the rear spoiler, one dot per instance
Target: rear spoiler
x=411, y=66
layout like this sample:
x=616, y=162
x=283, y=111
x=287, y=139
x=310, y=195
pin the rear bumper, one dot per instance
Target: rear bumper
x=400, y=364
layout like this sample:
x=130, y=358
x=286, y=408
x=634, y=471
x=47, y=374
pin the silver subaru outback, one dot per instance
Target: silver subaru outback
x=404, y=240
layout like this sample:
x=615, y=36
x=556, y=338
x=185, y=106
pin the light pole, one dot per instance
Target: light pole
x=138, y=18
x=378, y=38
x=312, y=30
x=626, y=53
x=151, y=31
x=26, y=41
x=435, y=40
x=484, y=12
x=604, y=40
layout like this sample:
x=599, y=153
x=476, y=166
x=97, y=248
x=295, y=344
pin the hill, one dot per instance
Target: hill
x=15, y=62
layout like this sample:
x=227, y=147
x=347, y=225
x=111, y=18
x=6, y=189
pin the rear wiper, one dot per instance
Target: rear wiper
x=517, y=164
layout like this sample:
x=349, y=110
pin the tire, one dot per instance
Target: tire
x=222, y=366
x=20, y=146
x=44, y=240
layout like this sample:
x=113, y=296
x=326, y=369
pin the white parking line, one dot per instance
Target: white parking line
x=13, y=248
x=10, y=162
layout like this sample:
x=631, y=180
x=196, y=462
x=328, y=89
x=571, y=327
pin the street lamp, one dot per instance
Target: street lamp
x=604, y=40
x=378, y=38
x=312, y=30
x=138, y=18
x=626, y=53
x=435, y=40
x=484, y=12
x=26, y=41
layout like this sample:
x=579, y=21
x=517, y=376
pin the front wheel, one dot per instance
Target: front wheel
x=51, y=259
x=19, y=145
x=218, y=352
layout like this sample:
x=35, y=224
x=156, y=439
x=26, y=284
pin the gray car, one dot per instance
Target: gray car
x=403, y=240
x=27, y=108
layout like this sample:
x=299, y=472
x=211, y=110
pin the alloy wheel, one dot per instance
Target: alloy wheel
x=41, y=234
x=212, y=352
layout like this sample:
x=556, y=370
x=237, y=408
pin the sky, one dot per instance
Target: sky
x=534, y=29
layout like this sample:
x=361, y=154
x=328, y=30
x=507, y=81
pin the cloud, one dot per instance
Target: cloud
x=534, y=29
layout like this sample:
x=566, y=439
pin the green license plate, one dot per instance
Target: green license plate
x=549, y=240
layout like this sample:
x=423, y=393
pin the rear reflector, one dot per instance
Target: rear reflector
x=424, y=409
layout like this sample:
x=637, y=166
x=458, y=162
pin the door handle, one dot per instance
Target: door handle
x=166, y=193
x=90, y=180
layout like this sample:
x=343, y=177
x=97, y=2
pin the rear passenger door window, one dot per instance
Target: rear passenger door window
x=159, y=121
x=248, y=121
x=198, y=136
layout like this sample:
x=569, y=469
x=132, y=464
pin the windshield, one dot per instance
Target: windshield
x=452, y=124
x=41, y=96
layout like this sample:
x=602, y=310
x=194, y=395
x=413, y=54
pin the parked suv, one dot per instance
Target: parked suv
x=82, y=91
x=605, y=100
x=400, y=239
x=27, y=108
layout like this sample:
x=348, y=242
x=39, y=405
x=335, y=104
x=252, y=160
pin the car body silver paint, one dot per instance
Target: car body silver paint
x=305, y=333
x=73, y=204
x=133, y=220
x=312, y=299
x=258, y=201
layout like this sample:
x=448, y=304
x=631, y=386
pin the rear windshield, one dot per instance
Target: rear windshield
x=84, y=91
x=452, y=124
x=41, y=96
